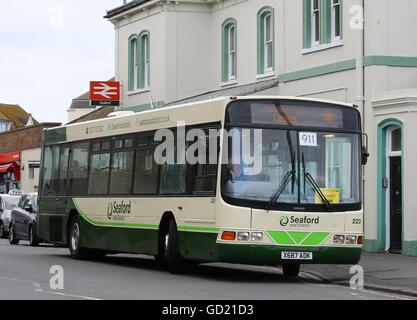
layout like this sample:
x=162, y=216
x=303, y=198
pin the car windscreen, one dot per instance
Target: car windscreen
x=11, y=202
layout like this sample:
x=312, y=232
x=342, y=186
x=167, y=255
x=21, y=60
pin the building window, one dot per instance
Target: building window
x=5, y=125
x=229, y=50
x=144, y=61
x=266, y=40
x=396, y=140
x=322, y=22
x=315, y=23
x=336, y=20
x=133, y=63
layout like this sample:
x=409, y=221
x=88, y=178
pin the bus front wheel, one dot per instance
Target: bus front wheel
x=291, y=270
x=176, y=263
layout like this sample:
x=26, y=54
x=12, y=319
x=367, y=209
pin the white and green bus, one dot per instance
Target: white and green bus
x=103, y=189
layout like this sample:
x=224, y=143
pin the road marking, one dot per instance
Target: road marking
x=38, y=288
x=386, y=295
x=71, y=295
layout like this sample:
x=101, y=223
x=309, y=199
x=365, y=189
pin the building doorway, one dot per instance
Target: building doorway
x=394, y=207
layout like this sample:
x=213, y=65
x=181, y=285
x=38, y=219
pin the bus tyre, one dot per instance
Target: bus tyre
x=291, y=270
x=12, y=236
x=33, y=239
x=74, y=243
x=176, y=264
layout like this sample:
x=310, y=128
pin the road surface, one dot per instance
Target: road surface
x=25, y=274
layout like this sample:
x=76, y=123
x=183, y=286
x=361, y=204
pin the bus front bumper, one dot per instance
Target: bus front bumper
x=272, y=255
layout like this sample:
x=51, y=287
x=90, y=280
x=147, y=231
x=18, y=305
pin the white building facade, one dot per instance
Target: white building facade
x=30, y=164
x=356, y=51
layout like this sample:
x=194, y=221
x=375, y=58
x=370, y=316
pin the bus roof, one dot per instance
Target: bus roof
x=197, y=103
x=211, y=111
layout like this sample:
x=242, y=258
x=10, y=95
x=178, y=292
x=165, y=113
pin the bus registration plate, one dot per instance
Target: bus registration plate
x=297, y=256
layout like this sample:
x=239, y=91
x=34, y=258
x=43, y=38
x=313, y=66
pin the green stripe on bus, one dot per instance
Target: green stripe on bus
x=281, y=237
x=137, y=226
x=316, y=238
x=299, y=238
x=114, y=224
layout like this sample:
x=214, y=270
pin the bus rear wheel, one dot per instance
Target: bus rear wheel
x=176, y=264
x=74, y=240
x=291, y=270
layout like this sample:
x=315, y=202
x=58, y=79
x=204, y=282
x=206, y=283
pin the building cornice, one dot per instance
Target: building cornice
x=124, y=8
x=137, y=5
x=394, y=102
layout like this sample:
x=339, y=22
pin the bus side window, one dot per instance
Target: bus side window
x=147, y=172
x=51, y=171
x=100, y=171
x=205, y=174
x=174, y=175
x=63, y=170
x=121, y=169
x=47, y=171
x=78, y=172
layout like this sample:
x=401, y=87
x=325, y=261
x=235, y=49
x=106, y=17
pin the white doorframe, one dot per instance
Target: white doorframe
x=389, y=154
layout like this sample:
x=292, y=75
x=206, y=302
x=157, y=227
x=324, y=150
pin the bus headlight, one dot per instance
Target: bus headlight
x=351, y=239
x=243, y=236
x=257, y=236
x=339, y=239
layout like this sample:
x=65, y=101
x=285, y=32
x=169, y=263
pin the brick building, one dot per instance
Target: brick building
x=20, y=153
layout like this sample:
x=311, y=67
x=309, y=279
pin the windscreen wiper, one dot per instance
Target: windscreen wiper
x=309, y=177
x=280, y=189
x=317, y=189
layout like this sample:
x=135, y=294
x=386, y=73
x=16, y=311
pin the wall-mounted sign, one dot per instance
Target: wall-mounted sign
x=105, y=93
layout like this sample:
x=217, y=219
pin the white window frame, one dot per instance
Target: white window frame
x=315, y=17
x=268, y=69
x=231, y=53
x=135, y=45
x=336, y=7
x=146, y=58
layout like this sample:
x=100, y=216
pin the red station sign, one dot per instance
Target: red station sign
x=105, y=93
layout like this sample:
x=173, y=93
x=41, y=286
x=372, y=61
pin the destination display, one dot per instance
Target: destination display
x=293, y=114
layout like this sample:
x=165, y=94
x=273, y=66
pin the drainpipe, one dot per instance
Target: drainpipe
x=360, y=81
x=360, y=71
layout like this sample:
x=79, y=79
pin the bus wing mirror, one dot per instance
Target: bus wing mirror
x=365, y=153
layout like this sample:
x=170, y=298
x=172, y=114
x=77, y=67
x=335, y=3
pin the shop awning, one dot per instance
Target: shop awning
x=8, y=167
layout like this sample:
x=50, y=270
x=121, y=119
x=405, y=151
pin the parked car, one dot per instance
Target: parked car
x=7, y=204
x=24, y=221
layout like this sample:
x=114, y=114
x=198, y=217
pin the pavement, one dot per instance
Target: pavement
x=393, y=273
x=25, y=274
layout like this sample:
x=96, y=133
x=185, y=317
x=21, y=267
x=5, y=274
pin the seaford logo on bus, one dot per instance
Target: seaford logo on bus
x=115, y=208
x=284, y=221
x=293, y=221
x=197, y=146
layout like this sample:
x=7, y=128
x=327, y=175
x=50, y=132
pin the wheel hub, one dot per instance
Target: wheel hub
x=75, y=237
